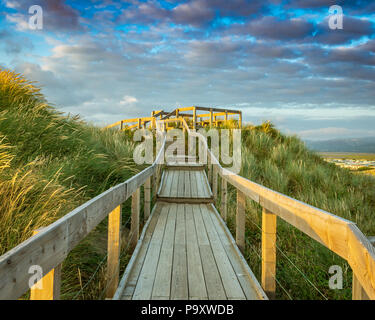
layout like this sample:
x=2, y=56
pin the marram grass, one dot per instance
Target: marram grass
x=49, y=165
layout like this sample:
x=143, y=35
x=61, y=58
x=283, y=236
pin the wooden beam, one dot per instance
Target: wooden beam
x=134, y=229
x=214, y=182
x=147, y=206
x=358, y=293
x=114, y=248
x=269, y=221
x=240, y=220
x=48, y=288
x=224, y=199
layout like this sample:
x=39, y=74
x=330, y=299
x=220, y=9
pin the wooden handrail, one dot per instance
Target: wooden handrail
x=48, y=248
x=339, y=235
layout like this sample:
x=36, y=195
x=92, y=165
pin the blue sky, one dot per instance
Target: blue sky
x=275, y=60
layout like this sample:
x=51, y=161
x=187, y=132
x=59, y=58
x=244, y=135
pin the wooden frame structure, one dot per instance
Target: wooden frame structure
x=215, y=117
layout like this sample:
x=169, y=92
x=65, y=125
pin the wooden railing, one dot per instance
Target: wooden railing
x=48, y=248
x=211, y=118
x=339, y=235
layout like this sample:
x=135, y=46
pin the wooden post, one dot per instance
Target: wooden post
x=147, y=206
x=134, y=230
x=269, y=221
x=224, y=195
x=194, y=118
x=114, y=248
x=49, y=285
x=210, y=118
x=214, y=182
x=240, y=120
x=358, y=293
x=122, y=125
x=209, y=172
x=240, y=220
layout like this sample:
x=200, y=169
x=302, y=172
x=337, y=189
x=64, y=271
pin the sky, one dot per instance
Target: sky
x=275, y=60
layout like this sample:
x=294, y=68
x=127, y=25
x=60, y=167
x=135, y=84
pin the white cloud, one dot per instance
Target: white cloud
x=126, y=100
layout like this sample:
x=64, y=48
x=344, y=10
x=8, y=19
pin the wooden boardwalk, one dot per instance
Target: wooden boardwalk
x=186, y=251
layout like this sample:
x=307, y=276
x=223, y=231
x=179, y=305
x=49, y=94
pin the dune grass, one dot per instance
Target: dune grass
x=49, y=165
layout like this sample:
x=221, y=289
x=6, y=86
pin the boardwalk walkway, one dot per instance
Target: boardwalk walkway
x=186, y=251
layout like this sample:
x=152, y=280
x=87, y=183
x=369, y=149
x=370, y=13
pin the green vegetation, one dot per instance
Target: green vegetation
x=49, y=165
x=284, y=164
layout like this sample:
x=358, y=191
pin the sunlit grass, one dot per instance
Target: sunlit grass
x=49, y=165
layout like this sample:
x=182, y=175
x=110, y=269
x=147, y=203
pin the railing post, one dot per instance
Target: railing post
x=194, y=118
x=224, y=195
x=147, y=206
x=48, y=288
x=214, y=182
x=269, y=222
x=358, y=293
x=114, y=248
x=134, y=230
x=240, y=220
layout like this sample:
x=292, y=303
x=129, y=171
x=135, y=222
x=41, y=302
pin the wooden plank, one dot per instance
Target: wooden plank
x=162, y=284
x=181, y=184
x=114, y=248
x=179, y=289
x=134, y=229
x=174, y=187
x=214, y=286
x=187, y=193
x=230, y=281
x=200, y=186
x=224, y=199
x=147, y=192
x=269, y=221
x=197, y=286
x=130, y=277
x=240, y=220
x=164, y=183
x=144, y=287
x=168, y=183
x=245, y=278
x=206, y=184
x=193, y=185
x=185, y=200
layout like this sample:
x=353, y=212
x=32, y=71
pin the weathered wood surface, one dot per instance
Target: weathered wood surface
x=114, y=248
x=184, y=184
x=187, y=255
